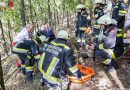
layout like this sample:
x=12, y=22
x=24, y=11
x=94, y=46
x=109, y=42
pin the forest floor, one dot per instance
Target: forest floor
x=116, y=80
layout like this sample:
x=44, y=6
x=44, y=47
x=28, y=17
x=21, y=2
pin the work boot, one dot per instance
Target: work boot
x=109, y=68
x=29, y=76
x=114, y=64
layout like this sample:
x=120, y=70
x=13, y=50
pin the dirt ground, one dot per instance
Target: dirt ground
x=102, y=80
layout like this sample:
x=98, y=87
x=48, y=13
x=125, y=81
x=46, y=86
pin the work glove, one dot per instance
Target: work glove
x=88, y=31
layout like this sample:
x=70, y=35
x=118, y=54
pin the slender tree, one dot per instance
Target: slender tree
x=49, y=12
x=2, y=87
x=22, y=12
x=31, y=12
x=3, y=37
x=9, y=33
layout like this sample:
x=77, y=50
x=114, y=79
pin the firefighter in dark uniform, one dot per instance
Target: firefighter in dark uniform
x=119, y=15
x=126, y=36
x=27, y=50
x=98, y=12
x=57, y=61
x=82, y=23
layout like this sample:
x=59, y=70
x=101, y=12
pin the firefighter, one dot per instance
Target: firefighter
x=126, y=40
x=27, y=50
x=25, y=33
x=119, y=15
x=47, y=31
x=82, y=23
x=107, y=39
x=98, y=12
x=57, y=61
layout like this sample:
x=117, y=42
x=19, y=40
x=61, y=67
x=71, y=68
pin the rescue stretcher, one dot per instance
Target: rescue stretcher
x=89, y=72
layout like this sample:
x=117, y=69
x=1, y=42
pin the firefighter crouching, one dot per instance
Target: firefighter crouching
x=27, y=50
x=107, y=39
x=57, y=61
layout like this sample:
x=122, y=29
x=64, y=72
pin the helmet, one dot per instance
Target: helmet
x=113, y=21
x=63, y=34
x=105, y=19
x=98, y=1
x=42, y=38
x=80, y=6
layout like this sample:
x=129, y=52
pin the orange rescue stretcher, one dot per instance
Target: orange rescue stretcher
x=89, y=72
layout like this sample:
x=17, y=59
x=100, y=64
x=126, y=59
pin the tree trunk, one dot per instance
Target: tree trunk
x=55, y=20
x=31, y=12
x=49, y=12
x=57, y=17
x=2, y=87
x=9, y=33
x=36, y=18
x=67, y=18
x=63, y=16
x=91, y=9
x=79, y=1
x=3, y=37
x=22, y=11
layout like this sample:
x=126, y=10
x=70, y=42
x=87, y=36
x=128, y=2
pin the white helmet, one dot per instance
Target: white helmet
x=105, y=19
x=80, y=6
x=98, y=1
x=63, y=34
x=113, y=22
x=42, y=38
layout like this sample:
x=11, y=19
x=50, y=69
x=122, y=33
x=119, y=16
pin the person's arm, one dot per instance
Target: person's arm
x=34, y=49
x=122, y=9
x=69, y=59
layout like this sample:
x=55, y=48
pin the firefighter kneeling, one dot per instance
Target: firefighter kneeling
x=57, y=62
x=27, y=50
x=107, y=40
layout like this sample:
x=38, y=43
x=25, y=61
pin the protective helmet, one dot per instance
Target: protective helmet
x=63, y=34
x=80, y=6
x=98, y=1
x=127, y=25
x=42, y=38
x=114, y=22
x=105, y=19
